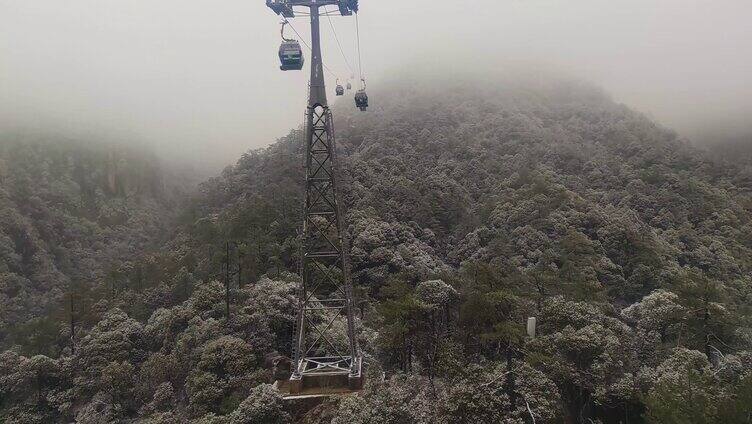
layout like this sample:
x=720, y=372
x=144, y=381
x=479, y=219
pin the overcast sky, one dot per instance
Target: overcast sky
x=200, y=78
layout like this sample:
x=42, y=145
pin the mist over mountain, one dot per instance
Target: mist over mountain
x=199, y=81
x=472, y=204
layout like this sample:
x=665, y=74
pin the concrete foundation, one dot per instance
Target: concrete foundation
x=321, y=384
x=355, y=382
x=295, y=385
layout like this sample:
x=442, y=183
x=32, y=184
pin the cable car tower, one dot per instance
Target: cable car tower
x=323, y=362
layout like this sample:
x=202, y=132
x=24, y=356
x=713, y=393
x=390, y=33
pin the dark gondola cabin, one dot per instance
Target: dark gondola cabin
x=291, y=56
x=349, y=86
x=361, y=100
x=340, y=91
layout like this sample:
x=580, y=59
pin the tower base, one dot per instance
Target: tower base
x=322, y=384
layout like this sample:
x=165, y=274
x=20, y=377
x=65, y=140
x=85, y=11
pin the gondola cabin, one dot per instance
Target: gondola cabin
x=361, y=100
x=340, y=91
x=291, y=56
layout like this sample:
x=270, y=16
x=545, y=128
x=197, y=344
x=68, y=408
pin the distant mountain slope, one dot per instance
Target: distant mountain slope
x=734, y=152
x=72, y=213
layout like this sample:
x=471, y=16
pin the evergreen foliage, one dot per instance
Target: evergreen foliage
x=469, y=209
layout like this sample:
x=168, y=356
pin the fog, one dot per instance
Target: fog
x=199, y=79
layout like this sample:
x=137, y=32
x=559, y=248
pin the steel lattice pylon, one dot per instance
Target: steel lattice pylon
x=325, y=295
x=325, y=312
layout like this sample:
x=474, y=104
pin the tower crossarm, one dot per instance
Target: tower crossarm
x=285, y=7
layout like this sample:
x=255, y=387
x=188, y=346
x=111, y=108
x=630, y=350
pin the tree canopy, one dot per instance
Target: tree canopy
x=469, y=209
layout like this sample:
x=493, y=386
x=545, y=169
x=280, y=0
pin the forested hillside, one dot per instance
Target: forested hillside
x=470, y=208
x=74, y=214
